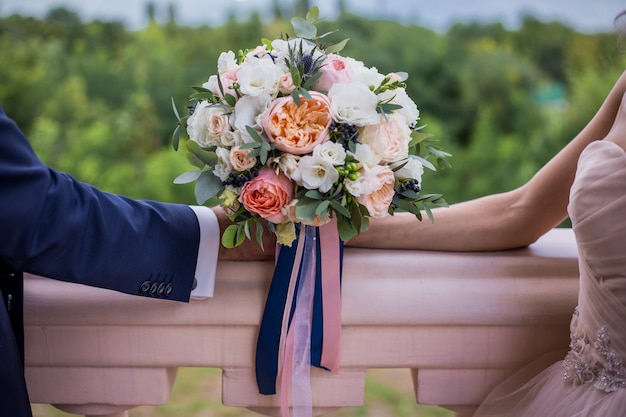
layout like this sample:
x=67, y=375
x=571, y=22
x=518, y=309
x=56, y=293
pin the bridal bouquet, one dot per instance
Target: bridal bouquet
x=311, y=144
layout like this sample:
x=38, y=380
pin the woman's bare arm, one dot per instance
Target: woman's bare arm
x=500, y=221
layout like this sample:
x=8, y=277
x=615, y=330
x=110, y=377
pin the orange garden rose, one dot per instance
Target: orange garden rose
x=298, y=129
x=267, y=194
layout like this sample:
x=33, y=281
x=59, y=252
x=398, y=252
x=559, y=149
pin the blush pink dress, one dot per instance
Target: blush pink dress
x=591, y=379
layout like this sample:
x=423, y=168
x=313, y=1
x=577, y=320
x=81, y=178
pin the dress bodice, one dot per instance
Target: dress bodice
x=597, y=209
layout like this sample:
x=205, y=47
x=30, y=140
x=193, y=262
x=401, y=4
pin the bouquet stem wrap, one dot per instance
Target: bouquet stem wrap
x=301, y=325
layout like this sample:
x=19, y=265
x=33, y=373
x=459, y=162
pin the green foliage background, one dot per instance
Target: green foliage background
x=94, y=98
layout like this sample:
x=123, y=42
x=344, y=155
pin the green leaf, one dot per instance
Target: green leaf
x=230, y=99
x=175, y=110
x=303, y=92
x=207, y=186
x=295, y=76
x=337, y=207
x=314, y=194
x=259, y=235
x=337, y=47
x=295, y=95
x=322, y=208
x=313, y=14
x=208, y=157
x=303, y=28
x=387, y=108
x=345, y=228
x=254, y=134
x=232, y=237
x=194, y=160
x=311, y=80
x=176, y=137
x=187, y=177
x=305, y=209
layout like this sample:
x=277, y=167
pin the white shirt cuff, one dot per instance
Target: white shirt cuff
x=207, y=252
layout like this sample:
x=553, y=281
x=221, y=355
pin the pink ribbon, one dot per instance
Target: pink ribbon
x=296, y=355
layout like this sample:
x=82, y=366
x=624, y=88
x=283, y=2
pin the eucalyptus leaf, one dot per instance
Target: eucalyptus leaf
x=207, y=186
x=313, y=14
x=314, y=194
x=176, y=137
x=305, y=209
x=208, y=157
x=295, y=95
x=337, y=47
x=338, y=208
x=254, y=134
x=303, y=28
x=322, y=208
x=187, y=177
x=175, y=110
x=194, y=160
x=259, y=235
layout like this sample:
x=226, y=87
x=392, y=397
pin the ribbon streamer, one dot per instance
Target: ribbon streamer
x=301, y=323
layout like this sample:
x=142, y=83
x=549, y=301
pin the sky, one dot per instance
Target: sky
x=583, y=15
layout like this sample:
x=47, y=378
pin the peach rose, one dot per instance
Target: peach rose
x=379, y=189
x=389, y=139
x=240, y=159
x=298, y=129
x=267, y=194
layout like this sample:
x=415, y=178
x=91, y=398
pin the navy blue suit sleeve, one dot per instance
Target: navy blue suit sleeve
x=55, y=226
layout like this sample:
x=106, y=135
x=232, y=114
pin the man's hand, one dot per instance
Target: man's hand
x=249, y=250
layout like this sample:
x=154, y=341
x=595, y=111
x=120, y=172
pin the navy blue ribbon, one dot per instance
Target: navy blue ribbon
x=268, y=342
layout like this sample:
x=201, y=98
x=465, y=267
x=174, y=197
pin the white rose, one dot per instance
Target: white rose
x=409, y=109
x=226, y=61
x=331, y=152
x=258, y=52
x=231, y=138
x=353, y=103
x=259, y=76
x=369, y=76
x=223, y=167
x=212, y=85
x=412, y=168
x=287, y=163
x=247, y=112
x=389, y=139
x=315, y=174
x=364, y=154
x=207, y=124
x=356, y=187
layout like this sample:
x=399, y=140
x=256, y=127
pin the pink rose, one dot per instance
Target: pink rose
x=298, y=129
x=335, y=69
x=379, y=189
x=389, y=139
x=227, y=79
x=267, y=194
x=286, y=85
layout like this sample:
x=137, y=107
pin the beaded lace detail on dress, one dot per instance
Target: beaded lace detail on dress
x=593, y=362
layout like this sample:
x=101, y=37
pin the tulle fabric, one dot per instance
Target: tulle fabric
x=598, y=211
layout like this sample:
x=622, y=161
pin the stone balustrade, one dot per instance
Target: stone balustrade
x=460, y=321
